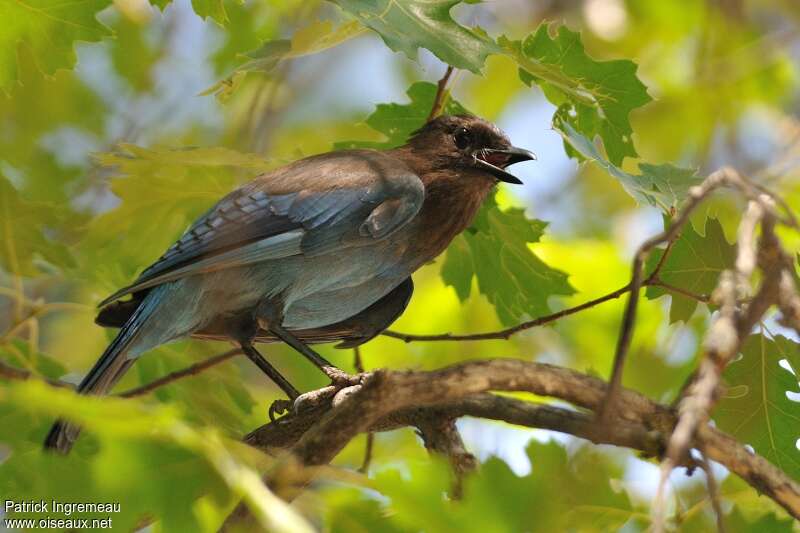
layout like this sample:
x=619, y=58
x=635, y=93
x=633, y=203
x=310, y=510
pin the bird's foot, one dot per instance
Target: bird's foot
x=342, y=385
x=279, y=407
x=341, y=379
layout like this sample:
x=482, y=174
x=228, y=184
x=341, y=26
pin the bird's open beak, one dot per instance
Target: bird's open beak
x=496, y=160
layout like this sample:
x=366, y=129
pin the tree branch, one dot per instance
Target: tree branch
x=388, y=400
x=441, y=94
x=19, y=374
x=440, y=435
x=358, y=363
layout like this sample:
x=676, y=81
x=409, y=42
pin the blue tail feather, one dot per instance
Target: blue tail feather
x=111, y=366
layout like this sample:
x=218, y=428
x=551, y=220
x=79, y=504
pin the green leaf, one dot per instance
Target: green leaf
x=755, y=408
x=49, y=30
x=22, y=228
x=397, y=121
x=136, y=68
x=406, y=25
x=664, y=186
x=495, y=251
x=211, y=8
x=217, y=396
x=694, y=264
x=594, y=97
x=346, y=511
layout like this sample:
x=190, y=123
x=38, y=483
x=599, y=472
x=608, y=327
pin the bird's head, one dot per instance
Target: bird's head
x=469, y=144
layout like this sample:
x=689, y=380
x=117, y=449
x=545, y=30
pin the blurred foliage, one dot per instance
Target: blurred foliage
x=107, y=153
x=559, y=494
x=48, y=31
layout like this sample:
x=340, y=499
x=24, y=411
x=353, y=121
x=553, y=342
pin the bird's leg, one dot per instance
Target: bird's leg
x=278, y=406
x=242, y=328
x=339, y=377
x=270, y=371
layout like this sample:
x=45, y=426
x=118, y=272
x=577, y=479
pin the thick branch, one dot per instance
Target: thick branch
x=392, y=399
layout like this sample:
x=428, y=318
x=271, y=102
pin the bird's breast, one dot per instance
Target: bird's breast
x=449, y=209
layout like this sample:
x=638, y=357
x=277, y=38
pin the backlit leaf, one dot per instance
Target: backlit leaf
x=560, y=493
x=214, y=9
x=694, y=265
x=138, y=441
x=767, y=523
x=594, y=97
x=755, y=408
x=406, y=25
x=664, y=186
x=397, y=121
x=170, y=189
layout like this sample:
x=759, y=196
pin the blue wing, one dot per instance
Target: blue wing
x=310, y=207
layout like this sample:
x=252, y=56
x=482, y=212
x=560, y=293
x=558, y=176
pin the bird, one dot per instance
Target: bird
x=320, y=250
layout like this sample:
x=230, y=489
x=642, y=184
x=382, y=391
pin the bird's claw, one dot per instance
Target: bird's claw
x=278, y=407
x=341, y=379
x=342, y=385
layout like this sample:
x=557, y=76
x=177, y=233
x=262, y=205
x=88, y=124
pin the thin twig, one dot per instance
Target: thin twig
x=441, y=94
x=734, y=324
x=10, y=372
x=696, y=196
x=702, y=298
x=505, y=334
x=182, y=373
x=713, y=492
x=358, y=363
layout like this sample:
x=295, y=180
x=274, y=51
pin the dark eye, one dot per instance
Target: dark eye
x=462, y=138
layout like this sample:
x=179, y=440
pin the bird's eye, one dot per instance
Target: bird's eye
x=462, y=138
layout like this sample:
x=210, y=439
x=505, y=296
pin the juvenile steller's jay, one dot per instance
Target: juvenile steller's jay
x=320, y=250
